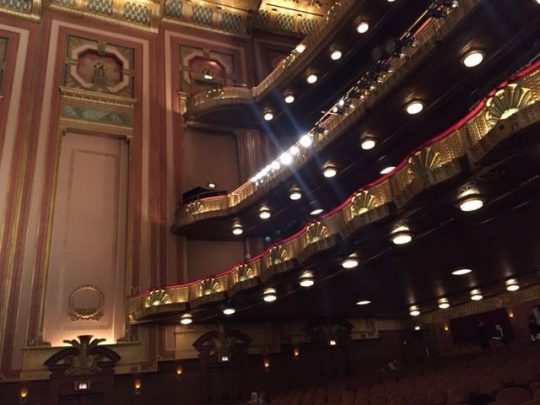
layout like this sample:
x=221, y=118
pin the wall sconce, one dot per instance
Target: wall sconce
x=511, y=314
x=266, y=364
x=296, y=352
x=23, y=395
x=179, y=371
x=446, y=328
x=137, y=386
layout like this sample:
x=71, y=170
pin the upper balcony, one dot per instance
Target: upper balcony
x=438, y=52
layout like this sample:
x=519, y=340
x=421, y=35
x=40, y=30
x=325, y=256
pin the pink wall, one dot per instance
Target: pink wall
x=209, y=257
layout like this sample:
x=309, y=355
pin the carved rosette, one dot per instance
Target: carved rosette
x=316, y=232
x=278, y=255
x=157, y=297
x=506, y=102
x=209, y=286
x=243, y=273
x=362, y=203
x=423, y=162
x=86, y=303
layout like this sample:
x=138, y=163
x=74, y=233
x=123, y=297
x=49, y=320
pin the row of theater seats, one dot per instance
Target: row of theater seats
x=505, y=377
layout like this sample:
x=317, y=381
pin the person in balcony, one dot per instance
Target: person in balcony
x=534, y=329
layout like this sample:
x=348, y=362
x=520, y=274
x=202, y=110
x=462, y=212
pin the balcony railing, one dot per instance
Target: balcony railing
x=508, y=110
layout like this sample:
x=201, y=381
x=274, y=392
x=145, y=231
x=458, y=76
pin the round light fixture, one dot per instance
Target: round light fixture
x=300, y=48
x=229, y=311
x=336, y=55
x=470, y=200
x=512, y=285
x=473, y=58
x=367, y=142
x=294, y=150
x=286, y=158
x=306, y=279
x=237, y=229
x=461, y=272
x=443, y=303
x=387, y=169
x=401, y=235
x=316, y=211
x=268, y=116
x=332, y=342
x=312, y=78
x=363, y=302
x=417, y=328
x=295, y=194
x=186, y=319
x=476, y=295
x=264, y=212
x=329, y=171
x=362, y=27
x=269, y=295
x=414, y=107
x=289, y=99
x=350, y=262
x=306, y=140
x=414, y=310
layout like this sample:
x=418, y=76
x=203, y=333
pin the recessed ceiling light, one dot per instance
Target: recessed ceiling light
x=268, y=116
x=367, y=142
x=512, y=285
x=470, y=200
x=269, y=295
x=306, y=279
x=295, y=194
x=363, y=302
x=387, y=170
x=414, y=310
x=286, y=158
x=417, y=327
x=312, y=78
x=211, y=185
x=461, y=272
x=332, y=342
x=329, y=171
x=264, y=212
x=476, y=295
x=414, y=107
x=300, y=48
x=401, y=235
x=186, y=319
x=306, y=140
x=289, y=99
x=443, y=303
x=229, y=311
x=362, y=27
x=336, y=55
x=316, y=211
x=350, y=262
x=473, y=58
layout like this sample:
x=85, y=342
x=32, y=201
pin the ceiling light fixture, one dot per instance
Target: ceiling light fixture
x=237, y=228
x=350, y=262
x=289, y=98
x=414, y=310
x=336, y=55
x=306, y=140
x=228, y=311
x=332, y=342
x=417, y=328
x=469, y=199
x=367, y=142
x=264, y=212
x=316, y=211
x=443, y=303
x=186, y=319
x=300, y=48
x=362, y=27
x=476, y=295
x=211, y=185
x=414, y=107
x=461, y=272
x=295, y=194
x=269, y=295
x=512, y=285
x=387, y=169
x=268, y=115
x=473, y=58
x=312, y=78
x=401, y=234
x=363, y=302
x=329, y=171
x=306, y=279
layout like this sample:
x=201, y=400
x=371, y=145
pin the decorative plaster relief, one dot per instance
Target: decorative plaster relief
x=86, y=303
x=3, y=56
x=99, y=67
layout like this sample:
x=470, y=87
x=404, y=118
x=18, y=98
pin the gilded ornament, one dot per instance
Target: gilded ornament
x=244, y=272
x=278, y=255
x=157, y=297
x=316, y=232
x=506, y=102
x=362, y=203
x=209, y=286
x=424, y=161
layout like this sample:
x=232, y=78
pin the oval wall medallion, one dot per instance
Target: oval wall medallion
x=86, y=303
